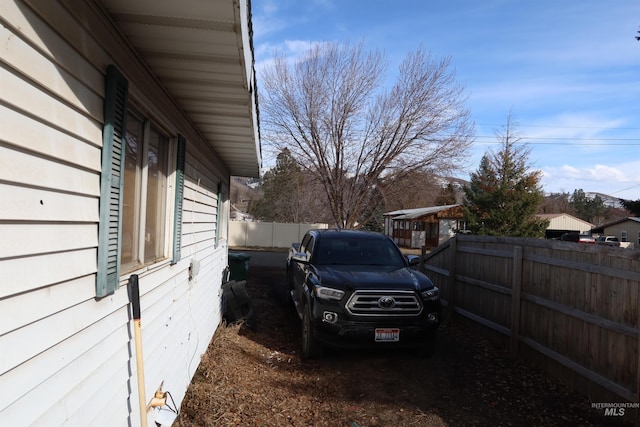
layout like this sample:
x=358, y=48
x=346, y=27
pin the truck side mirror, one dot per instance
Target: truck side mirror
x=413, y=259
x=300, y=257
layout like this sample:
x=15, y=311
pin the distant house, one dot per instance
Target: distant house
x=431, y=226
x=121, y=124
x=562, y=223
x=627, y=230
x=415, y=228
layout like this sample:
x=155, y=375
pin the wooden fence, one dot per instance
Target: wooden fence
x=575, y=304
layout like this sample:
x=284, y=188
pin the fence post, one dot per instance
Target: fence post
x=246, y=234
x=516, y=290
x=452, y=274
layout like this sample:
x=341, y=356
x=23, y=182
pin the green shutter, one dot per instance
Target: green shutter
x=218, y=216
x=111, y=182
x=177, y=217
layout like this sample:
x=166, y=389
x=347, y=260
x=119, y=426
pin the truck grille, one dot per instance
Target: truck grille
x=383, y=303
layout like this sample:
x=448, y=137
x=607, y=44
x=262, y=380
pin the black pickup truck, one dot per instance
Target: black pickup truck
x=356, y=289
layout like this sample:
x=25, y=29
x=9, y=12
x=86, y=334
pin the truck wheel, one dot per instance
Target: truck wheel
x=311, y=347
x=428, y=348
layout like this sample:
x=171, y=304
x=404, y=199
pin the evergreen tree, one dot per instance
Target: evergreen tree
x=283, y=187
x=503, y=196
x=631, y=206
x=590, y=209
x=373, y=215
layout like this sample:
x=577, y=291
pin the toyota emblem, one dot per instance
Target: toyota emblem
x=386, y=302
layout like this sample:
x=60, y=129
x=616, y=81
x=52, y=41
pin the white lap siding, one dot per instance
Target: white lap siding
x=65, y=356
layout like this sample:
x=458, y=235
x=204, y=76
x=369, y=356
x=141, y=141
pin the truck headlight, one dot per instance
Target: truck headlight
x=328, y=293
x=430, y=295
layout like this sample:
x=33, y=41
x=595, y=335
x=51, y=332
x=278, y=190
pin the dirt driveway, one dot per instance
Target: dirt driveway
x=256, y=378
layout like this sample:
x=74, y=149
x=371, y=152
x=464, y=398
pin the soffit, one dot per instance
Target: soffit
x=202, y=52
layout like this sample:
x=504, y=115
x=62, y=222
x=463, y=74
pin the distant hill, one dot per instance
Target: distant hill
x=609, y=201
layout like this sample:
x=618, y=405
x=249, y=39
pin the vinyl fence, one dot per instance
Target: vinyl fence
x=267, y=234
x=572, y=308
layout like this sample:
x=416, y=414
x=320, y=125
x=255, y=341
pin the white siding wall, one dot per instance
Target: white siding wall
x=67, y=358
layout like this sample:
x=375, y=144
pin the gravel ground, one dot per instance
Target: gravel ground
x=256, y=378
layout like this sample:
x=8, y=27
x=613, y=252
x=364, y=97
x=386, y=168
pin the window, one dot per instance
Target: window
x=638, y=239
x=307, y=245
x=137, y=160
x=623, y=236
x=144, y=211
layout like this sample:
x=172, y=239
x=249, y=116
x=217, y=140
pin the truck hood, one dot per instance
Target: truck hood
x=371, y=277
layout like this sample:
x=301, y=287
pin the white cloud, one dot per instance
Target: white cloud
x=265, y=25
x=298, y=48
x=291, y=49
x=621, y=180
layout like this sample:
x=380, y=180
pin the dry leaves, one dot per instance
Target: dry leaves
x=257, y=379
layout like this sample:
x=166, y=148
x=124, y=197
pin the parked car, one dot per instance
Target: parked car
x=356, y=289
x=608, y=241
x=578, y=238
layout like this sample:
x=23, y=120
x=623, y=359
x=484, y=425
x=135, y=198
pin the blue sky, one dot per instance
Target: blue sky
x=569, y=71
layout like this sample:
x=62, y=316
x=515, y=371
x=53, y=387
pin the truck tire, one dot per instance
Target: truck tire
x=311, y=347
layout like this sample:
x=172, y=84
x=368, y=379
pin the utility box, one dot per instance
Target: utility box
x=238, y=266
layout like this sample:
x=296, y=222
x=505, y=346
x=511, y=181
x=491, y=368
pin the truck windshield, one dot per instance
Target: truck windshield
x=358, y=252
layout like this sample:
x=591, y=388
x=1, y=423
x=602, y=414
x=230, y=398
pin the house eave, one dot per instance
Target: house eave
x=202, y=54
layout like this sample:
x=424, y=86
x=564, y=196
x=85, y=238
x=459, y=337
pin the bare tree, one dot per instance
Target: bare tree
x=411, y=190
x=555, y=203
x=331, y=110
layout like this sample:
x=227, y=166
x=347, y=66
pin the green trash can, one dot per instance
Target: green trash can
x=238, y=266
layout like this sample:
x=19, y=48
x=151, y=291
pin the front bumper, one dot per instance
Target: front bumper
x=335, y=327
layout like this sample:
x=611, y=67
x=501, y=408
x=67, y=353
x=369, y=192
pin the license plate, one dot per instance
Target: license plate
x=387, y=334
